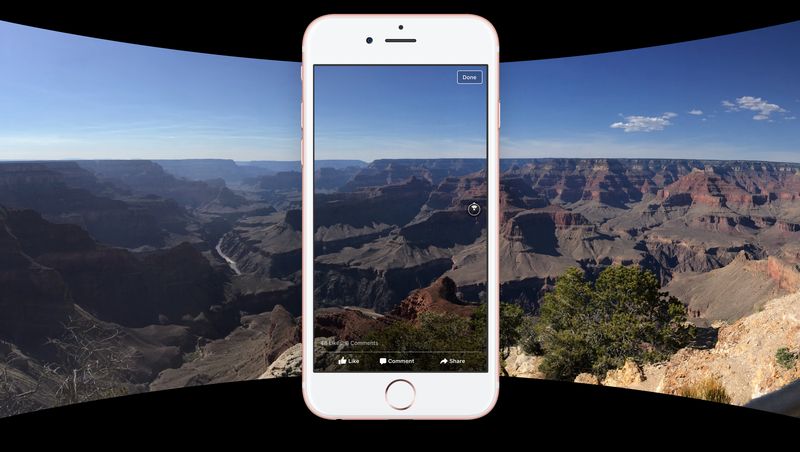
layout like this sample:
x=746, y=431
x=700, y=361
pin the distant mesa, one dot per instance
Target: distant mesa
x=338, y=164
x=232, y=172
x=282, y=180
x=146, y=177
x=386, y=172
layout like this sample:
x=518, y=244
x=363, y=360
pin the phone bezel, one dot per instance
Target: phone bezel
x=440, y=39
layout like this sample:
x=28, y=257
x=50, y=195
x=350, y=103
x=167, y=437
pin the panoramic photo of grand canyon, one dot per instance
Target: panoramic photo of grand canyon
x=150, y=221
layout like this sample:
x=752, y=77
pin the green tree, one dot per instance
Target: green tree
x=511, y=322
x=529, y=342
x=512, y=319
x=595, y=328
x=561, y=328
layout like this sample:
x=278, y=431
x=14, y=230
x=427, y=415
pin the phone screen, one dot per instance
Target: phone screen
x=400, y=220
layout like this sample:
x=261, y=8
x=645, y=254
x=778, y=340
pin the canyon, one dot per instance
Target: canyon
x=197, y=262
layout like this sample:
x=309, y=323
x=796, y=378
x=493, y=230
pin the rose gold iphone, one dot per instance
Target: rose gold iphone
x=400, y=216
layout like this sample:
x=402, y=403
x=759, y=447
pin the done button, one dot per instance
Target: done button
x=470, y=77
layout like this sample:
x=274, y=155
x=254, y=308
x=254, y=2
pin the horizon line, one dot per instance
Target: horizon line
x=372, y=161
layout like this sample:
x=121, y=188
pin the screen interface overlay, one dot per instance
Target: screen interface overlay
x=400, y=231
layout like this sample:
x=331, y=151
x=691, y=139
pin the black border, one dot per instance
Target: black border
x=272, y=413
x=485, y=67
x=545, y=30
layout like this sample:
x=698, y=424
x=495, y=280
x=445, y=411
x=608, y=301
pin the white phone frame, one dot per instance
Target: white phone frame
x=441, y=39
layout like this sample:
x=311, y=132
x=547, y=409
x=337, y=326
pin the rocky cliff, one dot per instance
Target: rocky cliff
x=440, y=297
x=735, y=290
x=742, y=359
x=244, y=354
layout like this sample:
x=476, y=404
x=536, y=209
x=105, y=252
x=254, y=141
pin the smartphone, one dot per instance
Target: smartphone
x=400, y=119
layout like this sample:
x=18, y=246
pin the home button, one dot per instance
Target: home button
x=400, y=394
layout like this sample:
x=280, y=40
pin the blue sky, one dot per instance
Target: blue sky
x=65, y=96
x=369, y=112
x=729, y=97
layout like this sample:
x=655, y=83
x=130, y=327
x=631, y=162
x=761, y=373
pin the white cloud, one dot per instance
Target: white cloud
x=615, y=146
x=645, y=123
x=762, y=108
x=696, y=112
x=790, y=118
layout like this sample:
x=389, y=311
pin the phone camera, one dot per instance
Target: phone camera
x=369, y=40
x=400, y=27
